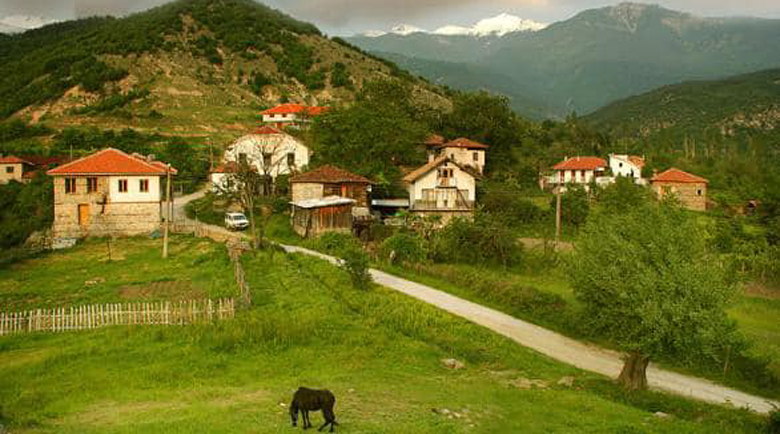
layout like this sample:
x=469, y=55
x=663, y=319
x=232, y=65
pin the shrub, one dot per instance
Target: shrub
x=403, y=247
x=575, y=205
x=484, y=240
x=511, y=208
x=356, y=264
x=773, y=424
x=335, y=242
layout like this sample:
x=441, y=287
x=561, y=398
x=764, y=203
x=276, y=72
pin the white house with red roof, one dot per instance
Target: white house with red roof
x=463, y=151
x=269, y=150
x=108, y=193
x=577, y=170
x=627, y=166
x=291, y=115
x=443, y=187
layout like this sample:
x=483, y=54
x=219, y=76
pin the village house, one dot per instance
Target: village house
x=465, y=152
x=328, y=181
x=577, y=170
x=690, y=189
x=442, y=187
x=327, y=199
x=268, y=150
x=26, y=167
x=627, y=166
x=291, y=115
x=13, y=169
x=108, y=193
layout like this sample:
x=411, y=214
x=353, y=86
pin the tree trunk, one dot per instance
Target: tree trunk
x=253, y=226
x=634, y=374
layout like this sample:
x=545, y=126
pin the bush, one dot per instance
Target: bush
x=356, y=264
x=482, y=241
x=773, y=424
x=575, y=205
x=511, y=208
x=335, y=242
x=403, y=247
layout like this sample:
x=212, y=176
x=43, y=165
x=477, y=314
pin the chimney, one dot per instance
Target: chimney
x=150, y=158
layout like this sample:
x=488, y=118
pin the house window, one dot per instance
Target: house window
x=123, y=186
x=620, y=165
x=242, y=158
x=291, y=159
x=699, y=192
x=266, y=160
x=91, y=185
x=70, y=185
x=9, y=169
x=143, y=186
x=475, y=156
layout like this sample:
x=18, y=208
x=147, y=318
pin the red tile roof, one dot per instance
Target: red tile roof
x=678, y=176
x=421, y=171
x=330, y=174
x=38, y=160
x=111, y=162
x=13, y=160
x=284, y=109
x=637, y=161
x=464, y=143
x=268, y=130
x=581, y=163
x=434, y=140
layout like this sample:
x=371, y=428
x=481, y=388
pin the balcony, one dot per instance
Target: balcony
x=446, y=183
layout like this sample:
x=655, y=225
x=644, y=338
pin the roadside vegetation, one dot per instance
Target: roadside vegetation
x=378, y=351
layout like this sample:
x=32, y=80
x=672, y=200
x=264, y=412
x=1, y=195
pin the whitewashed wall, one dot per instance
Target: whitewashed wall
x=134, y=193
x=279, y=145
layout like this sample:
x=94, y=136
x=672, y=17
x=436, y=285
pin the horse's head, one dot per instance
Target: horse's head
x=294, y=413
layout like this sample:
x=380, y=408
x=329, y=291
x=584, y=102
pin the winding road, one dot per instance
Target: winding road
x=549, y=343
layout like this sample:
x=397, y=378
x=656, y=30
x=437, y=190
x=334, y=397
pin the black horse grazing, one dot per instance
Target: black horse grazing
x=307, y=400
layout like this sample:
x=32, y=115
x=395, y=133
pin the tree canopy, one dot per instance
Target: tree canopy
x=648, y=283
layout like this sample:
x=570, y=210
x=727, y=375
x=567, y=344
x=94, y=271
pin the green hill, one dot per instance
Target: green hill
x=746, y=104
x=191, y=67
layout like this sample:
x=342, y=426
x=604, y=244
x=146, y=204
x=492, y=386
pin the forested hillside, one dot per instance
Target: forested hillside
x=189, y=67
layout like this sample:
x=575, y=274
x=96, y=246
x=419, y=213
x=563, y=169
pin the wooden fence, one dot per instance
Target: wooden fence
x=94, y=316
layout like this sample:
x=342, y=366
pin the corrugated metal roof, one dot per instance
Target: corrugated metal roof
x=323, y=202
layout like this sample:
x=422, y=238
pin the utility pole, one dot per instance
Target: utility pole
x=168, y=217
x=558, y=215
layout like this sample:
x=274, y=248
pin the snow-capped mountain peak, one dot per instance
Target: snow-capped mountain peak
x=499, y=25
x=407, y=29
x=505, y=23
x=20, y=23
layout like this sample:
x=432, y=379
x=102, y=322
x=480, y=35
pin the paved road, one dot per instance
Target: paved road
x=551, y=344
x=559, y=347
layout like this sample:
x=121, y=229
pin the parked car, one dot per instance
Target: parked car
x=236, y=221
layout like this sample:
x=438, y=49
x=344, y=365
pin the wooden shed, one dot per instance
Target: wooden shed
x=312, y=217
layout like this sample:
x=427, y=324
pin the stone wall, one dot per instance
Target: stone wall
x=6, y=177
x=692, y=195
x=105, y=217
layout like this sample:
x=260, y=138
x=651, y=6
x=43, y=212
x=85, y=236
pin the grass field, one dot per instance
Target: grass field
x=378, y=351
x=135, y=271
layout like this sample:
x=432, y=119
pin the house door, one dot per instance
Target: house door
x=84, y=215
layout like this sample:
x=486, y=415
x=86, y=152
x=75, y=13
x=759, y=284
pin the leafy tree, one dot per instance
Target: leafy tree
x=622, y=196
x=484, y=240
x=339, y=76
x=648, y=283
x=371, y=137
x=244, y=186
x=575, y=205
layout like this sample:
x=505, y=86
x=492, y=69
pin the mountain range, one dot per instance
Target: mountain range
x=22, y=23
x=588, y=61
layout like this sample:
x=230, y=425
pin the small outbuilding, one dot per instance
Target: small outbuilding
x=313, y=217
x=329, y=181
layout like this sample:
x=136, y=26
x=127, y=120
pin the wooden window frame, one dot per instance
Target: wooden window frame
x=143, y=185
x=10, y=169
x=92, y=184
x=122, y=186
x=70, y=185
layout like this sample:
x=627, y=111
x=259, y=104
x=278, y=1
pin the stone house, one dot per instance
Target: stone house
x=13, y=169
x=465, y=152
x=327, y=181
x=690, y=189
x=271, y=151
x=108, y=193
x=442, y=187
x=291, y=115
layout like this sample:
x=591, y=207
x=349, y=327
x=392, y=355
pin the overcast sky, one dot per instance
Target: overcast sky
x=340, y=17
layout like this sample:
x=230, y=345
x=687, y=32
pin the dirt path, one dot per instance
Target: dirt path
x=559, y=347
x=549, y=343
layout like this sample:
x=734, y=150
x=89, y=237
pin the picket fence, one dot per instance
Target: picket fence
x=94, y=316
